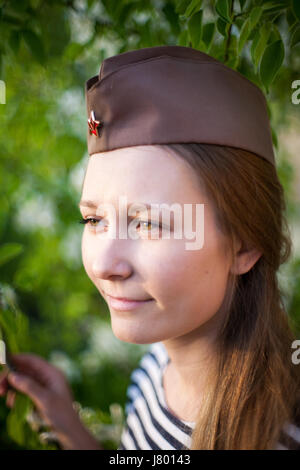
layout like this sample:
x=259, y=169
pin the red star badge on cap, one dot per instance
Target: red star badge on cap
x=93, y=124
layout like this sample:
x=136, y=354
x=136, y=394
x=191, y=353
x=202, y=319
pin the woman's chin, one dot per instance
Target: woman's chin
x=129, y=334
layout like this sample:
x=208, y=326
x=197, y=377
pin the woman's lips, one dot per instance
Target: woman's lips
x=125, y=305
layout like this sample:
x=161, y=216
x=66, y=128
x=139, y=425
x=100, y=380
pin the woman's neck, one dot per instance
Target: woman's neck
x=185, y=378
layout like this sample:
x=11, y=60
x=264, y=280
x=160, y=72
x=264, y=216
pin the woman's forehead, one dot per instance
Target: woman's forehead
x=141, y=171
x=140, y=154
x=134, y=164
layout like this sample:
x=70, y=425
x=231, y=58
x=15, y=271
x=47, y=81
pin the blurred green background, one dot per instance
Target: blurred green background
x=48, y=49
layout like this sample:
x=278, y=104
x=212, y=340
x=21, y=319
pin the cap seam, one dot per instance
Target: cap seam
x=191, y=142
x=164, y=56
x=164, y=51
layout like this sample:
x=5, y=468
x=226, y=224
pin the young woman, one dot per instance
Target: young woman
x=170, y=125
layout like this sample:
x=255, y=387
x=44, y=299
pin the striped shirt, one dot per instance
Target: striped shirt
x=150, y=425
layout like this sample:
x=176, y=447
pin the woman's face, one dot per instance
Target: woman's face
x=187, y=287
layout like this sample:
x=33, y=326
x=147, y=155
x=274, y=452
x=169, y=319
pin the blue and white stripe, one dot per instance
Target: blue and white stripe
x=149, y=423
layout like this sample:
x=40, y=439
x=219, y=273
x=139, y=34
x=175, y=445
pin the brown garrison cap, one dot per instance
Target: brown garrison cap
x=174, y=94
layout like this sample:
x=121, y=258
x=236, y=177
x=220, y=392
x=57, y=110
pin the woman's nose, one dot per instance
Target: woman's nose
x=111, y=260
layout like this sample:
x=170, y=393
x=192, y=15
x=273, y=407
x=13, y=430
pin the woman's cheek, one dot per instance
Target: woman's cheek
x=86, y=253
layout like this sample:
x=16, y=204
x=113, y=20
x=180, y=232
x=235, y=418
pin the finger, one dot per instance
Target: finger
x=36, y=367
x=3, y=388
x=3, y=375
x=3, y=384
x=30, y=387
x=28, y=362
x=10, y=399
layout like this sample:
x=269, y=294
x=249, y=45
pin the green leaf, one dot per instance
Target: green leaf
x=271, y=62
x=9, y=330
x=195, y=28
x=249, y=26
x=11, y=20
x=233, y=57
x=193, y=7
x=9, y=251
x=293, y=28
x=223, y=8
x=14, y=41
x=16, y=419
x=182, y=6
x=35, y=45
x=254, y=17
x=74, y=50
x=253, y=33
x=172, y=17
x=259, y=43
x=253, y=47
x=1, y=64
x=272, y=7
x=183, y=39
x=55, y=30
x=242, y=4
x=290, y=17
x=18, y=7
x=35, y=3
x=208, y=34
x=245, y=32
x=274, y=34
x=274, y=138
x=296, y=8
x=14, y=324
x=221, y=26
x=295, y=38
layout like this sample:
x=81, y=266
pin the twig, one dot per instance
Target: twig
x=229, y=35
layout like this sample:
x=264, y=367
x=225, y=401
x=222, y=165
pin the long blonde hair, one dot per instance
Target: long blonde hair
x=255, y=389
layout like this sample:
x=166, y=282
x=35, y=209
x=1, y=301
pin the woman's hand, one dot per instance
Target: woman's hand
x=49, y=390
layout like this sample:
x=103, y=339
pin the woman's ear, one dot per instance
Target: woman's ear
x=245, y=259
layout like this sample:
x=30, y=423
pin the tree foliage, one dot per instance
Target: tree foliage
x=48, y=49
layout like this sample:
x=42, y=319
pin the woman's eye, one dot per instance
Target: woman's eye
x=90, y=221
x=145, y=225
x=93, y=222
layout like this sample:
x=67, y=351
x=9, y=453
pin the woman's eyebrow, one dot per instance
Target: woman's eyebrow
x=87, y=204
x=148, y=206
x=94, y=206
